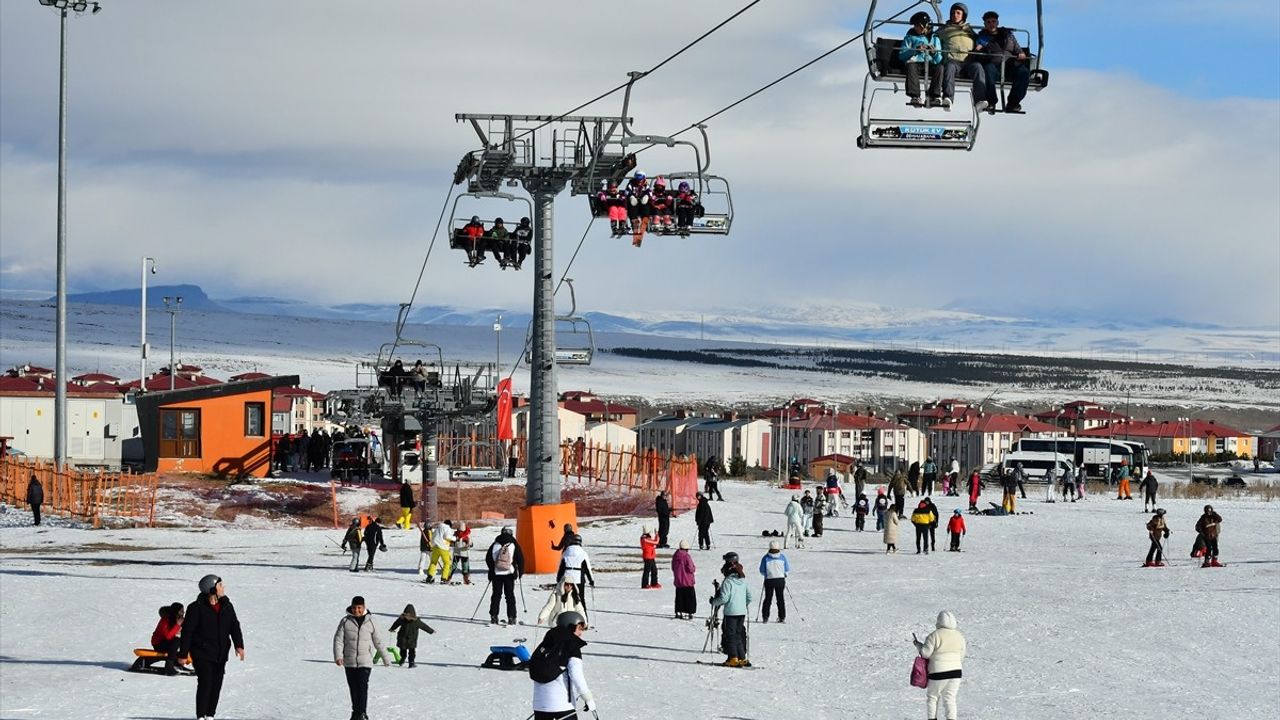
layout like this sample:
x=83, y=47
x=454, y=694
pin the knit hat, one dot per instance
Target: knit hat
x=956, y=511
x=506, y=530
x=209, y=583
x=357, y=600
x=1159, y=511
x=775, y=546
x=684, y=544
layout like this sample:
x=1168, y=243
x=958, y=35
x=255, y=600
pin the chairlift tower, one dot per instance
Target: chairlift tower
x=544, y=154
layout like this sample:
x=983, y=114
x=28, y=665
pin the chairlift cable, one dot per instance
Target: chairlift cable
x=422, y=271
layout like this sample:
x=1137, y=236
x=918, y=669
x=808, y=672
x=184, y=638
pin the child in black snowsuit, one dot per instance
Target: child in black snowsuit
x=819, y=509
x=861, y=507
x=408, y=625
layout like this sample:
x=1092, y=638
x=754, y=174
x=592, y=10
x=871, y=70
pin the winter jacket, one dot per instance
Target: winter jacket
x=922, y=516
x=35, y=492
x=575, y=565
x=930, y=467
x=933, y=510
x=409, y=625
x=882, y=503
x=406, y=495
x=861, y=474
x=165, y=631
x=944, y=648
x=558, y=602
x=920, y=48
x=442, y=537
x=558, y=695
x=355, y=641
x=793, y=513
x=352, y=539
x=891, y=528
x=662, y=507
x=913, y=473
x=1149, y=483
x=861, y=506
x=702, y=515
x=649, y=547
x=774, y=565
x=208, y=634
x=898, y=484
x=955, y=468
x=806, y=504
x=373, y=536
x=955, y=525
x=682, y=568
x=999, y=44
x=491, y=557
x=1208, y=524
x=1157, y=528
x=958, y=40
x=424, y=540
x=734, y=595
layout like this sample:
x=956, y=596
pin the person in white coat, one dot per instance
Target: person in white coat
x=354, y=645
x=575, y=567
x=564, y=598
x=556, y=698
x=795, y=525
x=944, y=648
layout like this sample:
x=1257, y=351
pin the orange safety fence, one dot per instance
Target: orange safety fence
x=635, y=471
x=89, y=496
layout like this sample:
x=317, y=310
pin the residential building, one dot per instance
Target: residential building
x=1178, y=437
x=666, y=433
x=730, y=436
x=922, y=417
x=302, y=409
x=981, y=439
x=1078, y=416
x=611, y=435
x=807, y=434
x=595, y=409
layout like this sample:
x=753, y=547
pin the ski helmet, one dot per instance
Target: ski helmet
x=1160, y=511
x=684, y=185
x=640, y=175
x=209, y=583
x=730, y=557
x=475, y=218
x=524, y=221
x=570, y=619
x=775, y=546
x=921, y=18
x=497, y=221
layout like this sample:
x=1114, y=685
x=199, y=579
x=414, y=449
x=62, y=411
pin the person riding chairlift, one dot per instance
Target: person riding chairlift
x=474, y=232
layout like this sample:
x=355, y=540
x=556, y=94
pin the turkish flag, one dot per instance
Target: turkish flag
x=504, y=409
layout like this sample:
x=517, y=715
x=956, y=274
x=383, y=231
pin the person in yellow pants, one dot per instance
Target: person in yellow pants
x=405, y=520
x=442, y=539
x=1122, y=492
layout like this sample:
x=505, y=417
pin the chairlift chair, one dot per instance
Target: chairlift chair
x=477, y=248
x=580, y=345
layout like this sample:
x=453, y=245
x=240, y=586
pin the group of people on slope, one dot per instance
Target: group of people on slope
x=987, y=58
x=1206, y=543
x=509, y=247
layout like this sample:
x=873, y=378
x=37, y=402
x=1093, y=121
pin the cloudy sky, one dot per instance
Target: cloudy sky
x=303, y=149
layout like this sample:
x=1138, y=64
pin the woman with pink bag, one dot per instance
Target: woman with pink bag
x=943, y=650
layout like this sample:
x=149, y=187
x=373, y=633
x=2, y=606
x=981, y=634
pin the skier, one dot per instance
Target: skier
x=922, y=519
x=881, y=508
x=861, y=507
x=891, y=532
x=353, y=540
x=794, y=524
x=954, y=475
x=405, y=521
x=575, y=567
x=1122, y=478
x=1209, y=526
x=930, y=476
x=819, y=509
x=734, y=596
x=806, y=511
x=442, y=538
x=209, y=631
x=35, y=498
x=462, y=554
x=556, y=671
x=1157, y=529
x=564, y=598
x=944, y=648
x=955, y=526
x=835, y=494
x=682, y=576
x=663, y=509
x=1010, y=485
x=933, y=526
x=975, y=489
x=165, y=637
x=1148, y=488
x=506, y=565
x=406, y=628
x=774, y=567
x=703, y=518
x=649, y=553
x=373, y=542
x=354, y=644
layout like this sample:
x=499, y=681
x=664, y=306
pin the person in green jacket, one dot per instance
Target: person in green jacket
x=408, y=626
x=734, y=596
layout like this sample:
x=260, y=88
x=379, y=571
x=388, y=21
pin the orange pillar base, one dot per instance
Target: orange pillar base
x=538, y=527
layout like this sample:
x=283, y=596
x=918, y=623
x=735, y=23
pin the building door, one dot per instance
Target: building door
x=85, y=429
x=180, y=433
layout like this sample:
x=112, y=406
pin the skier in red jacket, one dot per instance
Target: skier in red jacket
x=955, y=526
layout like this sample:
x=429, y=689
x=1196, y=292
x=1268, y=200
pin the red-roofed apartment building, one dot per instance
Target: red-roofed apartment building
x=1079, y=416
x=296, y=410
x=807, y=431
x=596, y=410
x=979, y=439
x=1177, y=437
x=946, y=410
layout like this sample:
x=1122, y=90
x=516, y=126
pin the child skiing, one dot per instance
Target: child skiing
x=955, y=526
x=353, y=540
x=1157, y=529
x=734, y=596
x=775, y=568
x=462, y=554
x=1208, y=527
x=406, y=628
x=794, y=524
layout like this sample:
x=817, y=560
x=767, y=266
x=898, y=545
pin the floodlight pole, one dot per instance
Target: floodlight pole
x=543, y=485
x=60, y=343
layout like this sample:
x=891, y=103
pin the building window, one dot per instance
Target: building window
x=180, y=433
x=254, y=413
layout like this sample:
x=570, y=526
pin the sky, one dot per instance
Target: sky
x=305, y=149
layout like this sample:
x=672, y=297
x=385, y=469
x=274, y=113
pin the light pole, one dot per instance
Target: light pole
x=60, y=344
x=142, y=383
x=497, y=373
x=173, y=322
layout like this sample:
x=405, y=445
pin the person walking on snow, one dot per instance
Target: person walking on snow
x=663, y=509
x=1122, y=487
x=795, y=526
x=955, y=527
x=424, y=550
x=861, y=506
x=891, y=532
x=860, y=477
x=806, y=511
x=1158, y=530
x=774, y=567
x=373, y=542
x=682, y=576
x=575, y=567
x=881, y=508
x=954, y=474
x=944, y=648
x=354, y=644
x=913, y=479
x=462, y=554
x=649, y=553
x=898, y=487
x=1081, y=477
x=505, y=562
x=713, y=483
x=564, y=598
x=1148, y=487
x=922, y=519
x=209, y=631
x=1208, y=526
x=1068, y=486
x=819, y=510
x=835, y=494
x=35, y=498
x=353, y=540
x=442, y=538
x=405, y=521
x=703, y=518
x=555, y=698
x=406, y=628
x=933, y=526
x=735, y=597
x=975, y=489
x=930, y=476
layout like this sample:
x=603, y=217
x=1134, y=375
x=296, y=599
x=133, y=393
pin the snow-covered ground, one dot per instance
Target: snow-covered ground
x=1061, y=621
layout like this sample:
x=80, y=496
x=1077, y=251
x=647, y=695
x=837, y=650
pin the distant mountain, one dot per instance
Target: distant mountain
x=193, y=298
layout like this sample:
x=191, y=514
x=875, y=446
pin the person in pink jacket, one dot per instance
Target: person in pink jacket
x=682, y=572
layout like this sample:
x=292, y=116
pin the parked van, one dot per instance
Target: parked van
x=1035, y=465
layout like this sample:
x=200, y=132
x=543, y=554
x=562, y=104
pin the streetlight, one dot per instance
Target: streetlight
x=497, y=373
x=60, y=345
x=143, y=345
x=173, y=321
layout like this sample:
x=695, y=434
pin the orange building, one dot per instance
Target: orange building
x=222, y=429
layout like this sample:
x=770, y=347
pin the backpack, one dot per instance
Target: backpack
x=505, y=562
x=547, y=662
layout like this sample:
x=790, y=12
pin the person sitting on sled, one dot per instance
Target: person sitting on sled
x=165, y=637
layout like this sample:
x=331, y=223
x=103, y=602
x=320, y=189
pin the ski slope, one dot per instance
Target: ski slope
x=1060, y=619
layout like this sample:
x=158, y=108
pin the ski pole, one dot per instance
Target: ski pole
x=481, y=600
x=760, y=607
x=520, y=582
x=793, y=601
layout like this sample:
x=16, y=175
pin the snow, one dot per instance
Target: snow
x=1061, y=620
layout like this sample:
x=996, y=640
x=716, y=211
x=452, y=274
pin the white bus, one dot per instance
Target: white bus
x=1097, y=455
x=1035, y=465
